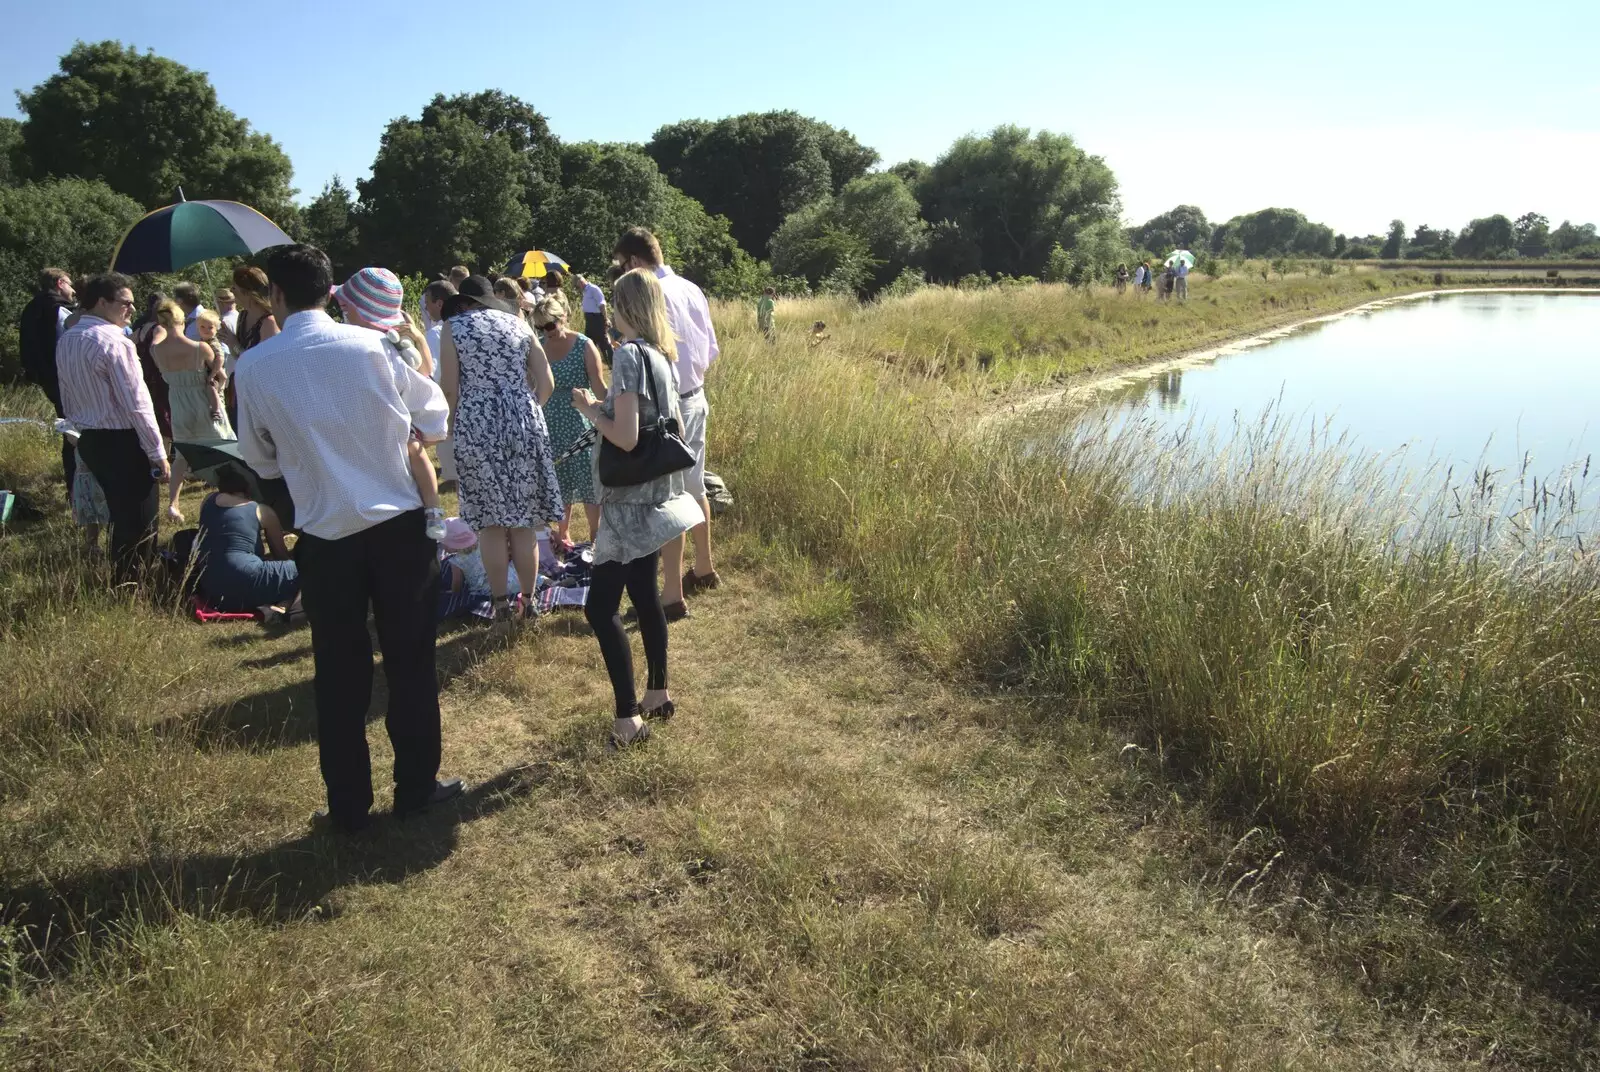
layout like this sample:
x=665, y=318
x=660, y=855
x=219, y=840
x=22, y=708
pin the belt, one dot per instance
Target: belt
x=691, y=394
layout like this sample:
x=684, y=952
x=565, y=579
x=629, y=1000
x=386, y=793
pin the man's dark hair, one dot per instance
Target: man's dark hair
x=187, y=294
x=230, y=479
x=103, y=287
x=50, y=278
x=303, y=274
x=438, y=290
x=638, y=242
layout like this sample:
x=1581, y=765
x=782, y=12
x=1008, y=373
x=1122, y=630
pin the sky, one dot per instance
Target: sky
x=1355, y=113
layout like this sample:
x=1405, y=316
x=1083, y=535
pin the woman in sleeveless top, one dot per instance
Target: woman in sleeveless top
x=233, y=574
x=146, y=333
x=255, y=323
x=578, y=365
x=192, y=370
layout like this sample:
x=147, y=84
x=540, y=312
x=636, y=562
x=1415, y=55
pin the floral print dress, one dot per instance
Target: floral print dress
x=567, y=424
x=504, y=465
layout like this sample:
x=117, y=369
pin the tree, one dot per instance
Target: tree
x=330, y=224
x=11, y=159
x=909, y=172
x=606, y=188
x=861, y=240
x=757, y=168
x=445, y=190
x=61, y=223
x=1184, y=227
x=499, y=114
x=145, y=125
x=1569, y=237
x=1394, y=245
x=1014, y=195
x=1532, y=233
x=1489, y=238
x=952, y=253
x=1274, y=232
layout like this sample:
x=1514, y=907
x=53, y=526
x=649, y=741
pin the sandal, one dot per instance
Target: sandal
x=499, y=608
x=659, y=714
x=640, y=736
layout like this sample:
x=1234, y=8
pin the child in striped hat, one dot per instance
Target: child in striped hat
x=373, y=298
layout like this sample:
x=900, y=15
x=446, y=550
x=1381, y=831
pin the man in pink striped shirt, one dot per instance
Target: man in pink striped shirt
x=104, y=395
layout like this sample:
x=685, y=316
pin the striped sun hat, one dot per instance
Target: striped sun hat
x=373, y=296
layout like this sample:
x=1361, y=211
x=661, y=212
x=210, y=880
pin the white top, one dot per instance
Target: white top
x=329, y=408
x=230, y=319
x=594, y=299
x=62, y=314
x=690, y=318
x=97, y=368
x=434, y=332
x=190, y=327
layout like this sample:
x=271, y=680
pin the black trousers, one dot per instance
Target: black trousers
x=118, y=462
x=606, y=582
x=594, y=326
x=394, y=567
x=69, y=454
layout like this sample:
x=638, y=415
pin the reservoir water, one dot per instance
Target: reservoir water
x=1504, y=381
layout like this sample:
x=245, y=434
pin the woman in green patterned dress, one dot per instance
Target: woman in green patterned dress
x=579, y=366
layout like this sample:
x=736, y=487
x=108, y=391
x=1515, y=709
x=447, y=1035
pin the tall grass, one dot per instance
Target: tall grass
x=1407, y=708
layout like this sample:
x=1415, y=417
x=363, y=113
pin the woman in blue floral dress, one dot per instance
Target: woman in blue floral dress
x=495, y=376
x=579, y=368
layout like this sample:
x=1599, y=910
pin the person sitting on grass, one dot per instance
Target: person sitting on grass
x=372, y=298
x=234, y=575
x=819, y=334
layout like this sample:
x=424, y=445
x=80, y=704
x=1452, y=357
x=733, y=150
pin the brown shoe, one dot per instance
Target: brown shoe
x=693, y=582
x=676, y=612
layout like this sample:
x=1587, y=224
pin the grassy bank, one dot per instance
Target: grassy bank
x=1408, y=722
x=1017, y=337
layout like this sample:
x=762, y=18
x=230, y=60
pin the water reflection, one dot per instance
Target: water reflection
x=1499, y=383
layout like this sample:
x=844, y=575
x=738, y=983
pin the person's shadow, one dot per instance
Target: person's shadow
x=66, y=918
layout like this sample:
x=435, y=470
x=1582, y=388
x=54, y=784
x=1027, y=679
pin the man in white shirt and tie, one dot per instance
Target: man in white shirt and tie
x=690, y=317
x=329, y=408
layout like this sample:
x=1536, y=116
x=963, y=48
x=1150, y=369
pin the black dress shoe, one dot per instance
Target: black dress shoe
x=354, y=824
x=445, y=790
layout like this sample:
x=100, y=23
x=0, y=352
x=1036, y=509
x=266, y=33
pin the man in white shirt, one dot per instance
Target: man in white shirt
x=690, y=316
x=433, y=299
x=227, y=308
x=1180, y=272
x=329, y=408
x=594, y=316
x=187, y=295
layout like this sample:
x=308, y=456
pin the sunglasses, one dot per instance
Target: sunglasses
x=548, y=325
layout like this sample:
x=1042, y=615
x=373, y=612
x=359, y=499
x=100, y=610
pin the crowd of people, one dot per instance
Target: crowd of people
x=530, y=418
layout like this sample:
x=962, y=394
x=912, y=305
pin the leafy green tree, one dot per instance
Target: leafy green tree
x=1532, y=233
x=145, y=125
x=872, y=223
x=1394, y=246
x=445, y=190
x=1013, y=195
x=11, y=159
x=757, y=168
x=909, y=172
x=330, y=224
x=59, y=223
x=1489, y=238
x=604, y=189
x=813, y=243
x=1184, y=227
x=1274, y=232
x=1570, y=236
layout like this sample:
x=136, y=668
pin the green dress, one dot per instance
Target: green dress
x=576, y=474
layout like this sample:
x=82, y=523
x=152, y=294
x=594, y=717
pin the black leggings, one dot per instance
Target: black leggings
x=606, y=583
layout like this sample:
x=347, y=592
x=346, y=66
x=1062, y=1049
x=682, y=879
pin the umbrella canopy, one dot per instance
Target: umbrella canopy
x=193, y=231
x=534, y=264
x=208, y=457
x=1180, y=255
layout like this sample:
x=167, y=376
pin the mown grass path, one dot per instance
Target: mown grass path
x=824, y=862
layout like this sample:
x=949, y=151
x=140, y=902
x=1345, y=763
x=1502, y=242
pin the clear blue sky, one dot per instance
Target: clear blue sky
x=1353, y=112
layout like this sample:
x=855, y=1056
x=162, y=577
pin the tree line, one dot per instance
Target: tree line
x=769, y=199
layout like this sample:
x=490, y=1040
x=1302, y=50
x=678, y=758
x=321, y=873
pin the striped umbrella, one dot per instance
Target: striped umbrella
x=179, y=235
x=534, y=264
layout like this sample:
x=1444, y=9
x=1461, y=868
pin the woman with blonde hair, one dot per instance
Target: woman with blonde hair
x=193, y=372
x=575, y=362
x=636, y=520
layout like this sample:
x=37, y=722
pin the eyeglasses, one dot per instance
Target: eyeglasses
x=126, y=303
x=547, y=326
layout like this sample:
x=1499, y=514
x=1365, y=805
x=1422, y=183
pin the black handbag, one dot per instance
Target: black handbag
x=659, y=452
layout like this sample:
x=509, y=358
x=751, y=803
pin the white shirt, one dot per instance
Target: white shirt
x=434, y=333
x=594, y=299
x=62, y=313
x=690, y=318
x=329, y=407
x=190, y=327
x=1181, y=270
x=102, y=386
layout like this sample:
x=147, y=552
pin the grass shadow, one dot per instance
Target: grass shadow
x=58, y=921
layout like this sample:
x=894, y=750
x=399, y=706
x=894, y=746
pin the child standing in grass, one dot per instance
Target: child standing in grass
x=764, y=310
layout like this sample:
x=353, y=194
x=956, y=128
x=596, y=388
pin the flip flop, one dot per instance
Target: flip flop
x=640, y=736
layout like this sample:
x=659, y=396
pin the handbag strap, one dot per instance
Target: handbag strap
x=646, y=350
